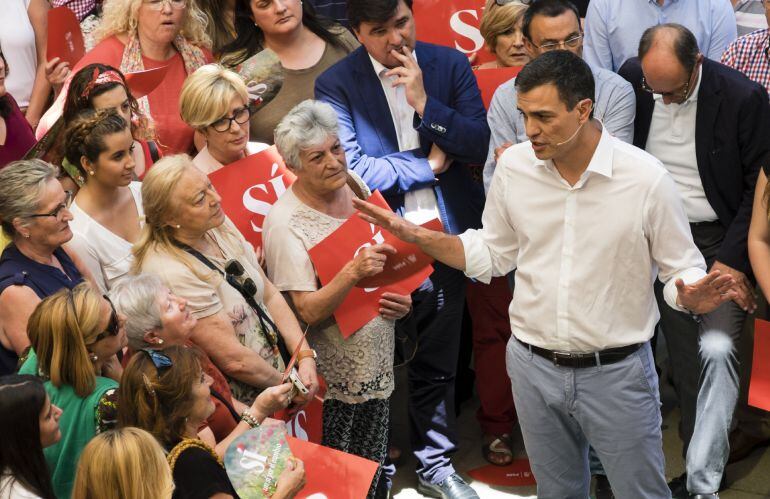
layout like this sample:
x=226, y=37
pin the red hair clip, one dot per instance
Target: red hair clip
x=98, y=79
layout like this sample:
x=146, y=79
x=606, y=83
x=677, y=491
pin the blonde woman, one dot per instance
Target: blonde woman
x=501, y=29
x=123, y=464
x=215, y=102
x=75, y=337
x=199, y=254
x=136, y=35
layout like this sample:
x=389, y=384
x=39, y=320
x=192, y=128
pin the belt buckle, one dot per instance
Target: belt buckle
x=555, y=357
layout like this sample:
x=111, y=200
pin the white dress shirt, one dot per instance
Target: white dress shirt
x=672, y=141
x=586, y=255
x=420, y=205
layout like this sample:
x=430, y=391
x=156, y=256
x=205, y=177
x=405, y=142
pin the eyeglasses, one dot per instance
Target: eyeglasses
x=571, y=43
x=58, y=211
x=240, y=116
x=113, y=326
x=235, y=268
x=158, y=4
x=160, y=360
x=506, y=2
x=680, y=96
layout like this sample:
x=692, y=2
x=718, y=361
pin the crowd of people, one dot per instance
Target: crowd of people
x=615, y=190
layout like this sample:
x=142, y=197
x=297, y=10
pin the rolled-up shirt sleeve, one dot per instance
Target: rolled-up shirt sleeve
x=492, y=251
x=671, y=244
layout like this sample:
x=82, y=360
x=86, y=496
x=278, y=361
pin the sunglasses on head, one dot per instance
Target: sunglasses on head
x=160, y=360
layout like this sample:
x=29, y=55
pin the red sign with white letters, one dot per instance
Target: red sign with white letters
x=489, y=79
x=362, y=304
x=249, y=188
x=453, y=23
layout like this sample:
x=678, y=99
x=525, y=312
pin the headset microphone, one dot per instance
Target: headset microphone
x=572, y=137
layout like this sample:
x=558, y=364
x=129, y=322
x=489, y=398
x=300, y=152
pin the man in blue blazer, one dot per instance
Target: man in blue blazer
x=709, y=125
x=411, y=120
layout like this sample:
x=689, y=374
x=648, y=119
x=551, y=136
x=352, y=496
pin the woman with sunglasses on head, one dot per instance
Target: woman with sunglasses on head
x=306, y=46
x=34, y=213
x=107, y=210
x=500, y=27
x=199, y=254
x=75, y=336
x=168, y=394
x=158, y=319
x=29, y=422
x=215, y=102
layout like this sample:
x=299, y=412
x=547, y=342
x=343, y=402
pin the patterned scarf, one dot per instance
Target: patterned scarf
x=192, y=56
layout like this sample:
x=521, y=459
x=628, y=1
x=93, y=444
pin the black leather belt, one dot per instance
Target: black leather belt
x=578, y=360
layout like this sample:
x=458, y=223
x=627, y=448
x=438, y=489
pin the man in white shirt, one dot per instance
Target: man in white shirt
x=708, y=124
x=587, y=221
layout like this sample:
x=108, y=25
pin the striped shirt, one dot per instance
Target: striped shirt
x=749, y=16
x=750, y=54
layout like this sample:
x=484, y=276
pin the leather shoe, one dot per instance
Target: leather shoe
x=453, y=487
x=678, y=487
x=603, y=489
x=742, y=444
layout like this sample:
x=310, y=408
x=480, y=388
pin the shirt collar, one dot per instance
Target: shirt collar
x=693, y=95
x=379, y=69
x=601, y=161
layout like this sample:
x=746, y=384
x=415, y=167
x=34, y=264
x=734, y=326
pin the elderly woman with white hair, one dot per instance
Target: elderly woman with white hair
x=201, y=257
x=157, y=319
x=215, y=102
x=358, y=370
x=35, y=214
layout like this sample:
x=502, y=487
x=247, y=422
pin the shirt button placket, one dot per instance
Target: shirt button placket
x=565, y=271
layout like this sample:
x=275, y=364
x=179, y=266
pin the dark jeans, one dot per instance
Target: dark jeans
x=435, y=323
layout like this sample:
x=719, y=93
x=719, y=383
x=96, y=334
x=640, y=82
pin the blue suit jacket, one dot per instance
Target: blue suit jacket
x=454, y=119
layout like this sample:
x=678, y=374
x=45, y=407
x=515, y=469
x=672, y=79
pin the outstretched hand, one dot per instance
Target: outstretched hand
x=706, y=294
x=402, y=229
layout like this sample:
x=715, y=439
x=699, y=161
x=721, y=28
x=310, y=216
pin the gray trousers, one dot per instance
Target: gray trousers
x=614, y=408
x=704, y=367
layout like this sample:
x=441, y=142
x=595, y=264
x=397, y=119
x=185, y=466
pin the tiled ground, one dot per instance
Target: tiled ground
x=748, y=479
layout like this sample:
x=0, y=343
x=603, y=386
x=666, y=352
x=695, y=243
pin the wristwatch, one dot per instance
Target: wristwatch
x=304, y=354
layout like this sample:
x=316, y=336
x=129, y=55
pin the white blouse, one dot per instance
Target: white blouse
x=17, y=39
x=106, y=255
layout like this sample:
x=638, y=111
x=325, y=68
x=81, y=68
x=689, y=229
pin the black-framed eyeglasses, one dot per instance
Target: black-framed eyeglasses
x=160, y=360
x=681, y=95
x=235, y=268
x=506, y=2
x=58, y=211
x=570, y=43
x=240, y=116
x=113, y=326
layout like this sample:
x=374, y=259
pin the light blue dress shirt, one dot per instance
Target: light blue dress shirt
x=615, y=105
x=613, y=27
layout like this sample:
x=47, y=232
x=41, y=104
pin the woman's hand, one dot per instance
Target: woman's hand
x=57, y=72
x=309, y=377
x=394, y=306
x=292, y=480
x=272, y=400
x=370, y=261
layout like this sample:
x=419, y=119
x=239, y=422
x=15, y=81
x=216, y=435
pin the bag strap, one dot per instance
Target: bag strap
x=227, y=404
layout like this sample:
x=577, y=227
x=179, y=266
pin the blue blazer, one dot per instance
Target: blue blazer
x=454, y=119
x=732, y=130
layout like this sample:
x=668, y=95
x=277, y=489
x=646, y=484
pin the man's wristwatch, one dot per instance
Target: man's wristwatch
x=304, y=354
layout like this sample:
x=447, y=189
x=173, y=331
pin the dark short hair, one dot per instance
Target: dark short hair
x=685, y=45
x=372, y=11
x=569, y=73
x=547, y=8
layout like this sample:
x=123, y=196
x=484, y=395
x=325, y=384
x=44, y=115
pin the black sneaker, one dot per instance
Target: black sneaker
x=678, y=487
x=453, y=487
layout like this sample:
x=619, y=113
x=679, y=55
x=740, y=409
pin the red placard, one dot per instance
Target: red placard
x=453, y=23
x=329, y=256
x=489, y=79
x=249, y=188
x=307, y=422
x=516, y=474
x=759, y=386
x=330, y=473
x=65, y=40
x=141, y=83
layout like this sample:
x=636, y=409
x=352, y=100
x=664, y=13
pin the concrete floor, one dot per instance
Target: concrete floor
x=748, y=479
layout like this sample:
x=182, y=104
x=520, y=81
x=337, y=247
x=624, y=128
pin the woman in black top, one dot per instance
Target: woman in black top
x=167, y=393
